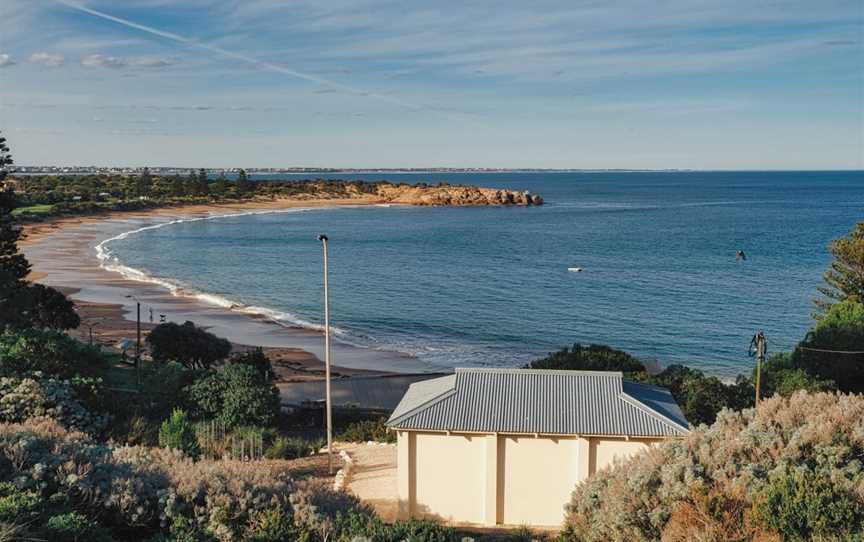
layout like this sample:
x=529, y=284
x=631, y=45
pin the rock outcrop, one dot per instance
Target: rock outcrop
x=445, y=194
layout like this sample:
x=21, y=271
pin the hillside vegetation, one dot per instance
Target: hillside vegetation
x=791, y=470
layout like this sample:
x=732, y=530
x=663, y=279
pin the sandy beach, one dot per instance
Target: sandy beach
x=63, y=255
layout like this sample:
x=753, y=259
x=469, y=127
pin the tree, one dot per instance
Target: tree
x=832, y=349
x=595, y=357
x=258, y=361
x=50, y=352
x=192, y=346
x=5, y=158
x=845, y=278
x=203, y=188
x=244, y=185
x=238, y=395
x=23, y=304
x=191, y=185
x=220, y=187
x=144, y=185
x=177, y=187
x=178, y=433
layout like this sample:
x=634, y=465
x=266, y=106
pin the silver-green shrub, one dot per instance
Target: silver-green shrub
x=59, y=399
x=704, y=486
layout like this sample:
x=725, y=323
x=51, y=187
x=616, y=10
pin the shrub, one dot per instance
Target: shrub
x=273, y=525
x=17, y=505
x=595, y=357
x=289, y=448
x=177, y=433
x=190, y=345
x=841, y=328
x=75, y=527
x=367, y=430
x=50, y=352
x=61, y=400
x=138, y=492
x=802, y=505
x=731, y=462
x=258, y=361
x=237, y=396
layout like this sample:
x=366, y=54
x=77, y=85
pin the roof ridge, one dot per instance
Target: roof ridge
x=651, y=412
x=514, y=370
x=425, y=404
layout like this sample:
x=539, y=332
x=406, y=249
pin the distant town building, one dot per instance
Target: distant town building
x=508, y=446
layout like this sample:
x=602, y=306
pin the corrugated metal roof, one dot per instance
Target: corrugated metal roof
x=539, y=401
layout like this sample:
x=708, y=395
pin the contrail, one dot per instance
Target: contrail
x=236, y=56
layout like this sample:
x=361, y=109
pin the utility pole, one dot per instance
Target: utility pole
x=329, y=413
x=137, y=341
x=758, y=347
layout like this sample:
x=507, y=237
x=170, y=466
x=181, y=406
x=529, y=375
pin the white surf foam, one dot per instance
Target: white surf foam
x=110, y=262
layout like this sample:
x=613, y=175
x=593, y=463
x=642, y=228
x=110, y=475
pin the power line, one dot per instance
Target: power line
x=853, y=352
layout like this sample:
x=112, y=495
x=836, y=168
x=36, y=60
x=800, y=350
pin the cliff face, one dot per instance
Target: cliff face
x=455, y=195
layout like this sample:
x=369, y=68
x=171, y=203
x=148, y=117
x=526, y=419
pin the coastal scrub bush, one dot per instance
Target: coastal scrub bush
x=804, y=505
x=177, y=433
x=62, y=400
x=839, y=329
x=290, y=448
x=722, y=471
x=237, y=395
x=595, y=357
x=367, y=430
x=51, y=352
x=188, y=344
x=137, y=493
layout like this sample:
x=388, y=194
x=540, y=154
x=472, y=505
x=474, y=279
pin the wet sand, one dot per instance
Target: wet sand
x=63, y=255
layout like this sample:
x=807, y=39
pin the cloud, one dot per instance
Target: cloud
x=150, y=62
x=6, y=60
x=47, y=59
x=102, y=61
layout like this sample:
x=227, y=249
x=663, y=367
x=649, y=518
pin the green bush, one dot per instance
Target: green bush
x=65, y=401
x=237, y=396
x=177, y=433
x=17, y=506
x=75, y=527
x=595, y=357
x=290, y=448
x=659, y=491
x=273, y=525
x=367, y=430
x=840, y=329
x=52, y=353
x=188, y=344
x=803, y=505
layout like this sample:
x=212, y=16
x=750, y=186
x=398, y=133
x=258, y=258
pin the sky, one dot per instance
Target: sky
x=654, y=84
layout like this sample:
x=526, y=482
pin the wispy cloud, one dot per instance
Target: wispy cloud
x=6, y=60
x=47, y=59
x=102, y=61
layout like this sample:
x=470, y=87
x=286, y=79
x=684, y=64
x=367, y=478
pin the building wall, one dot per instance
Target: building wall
x=499, y=479
x=450, y=477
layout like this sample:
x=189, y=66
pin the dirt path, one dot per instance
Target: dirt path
x=373, y=479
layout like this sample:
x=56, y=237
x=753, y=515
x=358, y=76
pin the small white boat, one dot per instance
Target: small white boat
x=574, y=269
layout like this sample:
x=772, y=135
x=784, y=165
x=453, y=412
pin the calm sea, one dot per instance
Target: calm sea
x=490, y=286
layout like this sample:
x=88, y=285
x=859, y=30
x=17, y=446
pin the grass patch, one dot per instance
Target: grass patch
x=44, y=209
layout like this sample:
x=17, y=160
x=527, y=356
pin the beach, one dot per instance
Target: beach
x=63, y=254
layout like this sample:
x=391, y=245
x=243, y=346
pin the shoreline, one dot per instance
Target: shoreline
x=63, y=254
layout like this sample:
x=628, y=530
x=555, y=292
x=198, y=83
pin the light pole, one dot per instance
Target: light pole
x=137, y=339
x=328, y=407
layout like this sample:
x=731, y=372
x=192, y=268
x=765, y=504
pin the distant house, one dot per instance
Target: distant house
x=507, y=446
x=12, y=184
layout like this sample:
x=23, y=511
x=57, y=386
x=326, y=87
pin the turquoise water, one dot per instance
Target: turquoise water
x=490, y=286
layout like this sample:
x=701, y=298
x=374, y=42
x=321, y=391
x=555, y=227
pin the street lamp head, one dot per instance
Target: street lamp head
x=322, y=237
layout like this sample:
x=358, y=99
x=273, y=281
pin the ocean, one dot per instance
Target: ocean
x=490, y=286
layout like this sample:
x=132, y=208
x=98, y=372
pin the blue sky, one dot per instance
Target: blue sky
x=366, y=83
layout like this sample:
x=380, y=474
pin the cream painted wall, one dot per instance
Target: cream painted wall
x=499, y=479
x=450, y=478
x=605, y=451
x=538, y=476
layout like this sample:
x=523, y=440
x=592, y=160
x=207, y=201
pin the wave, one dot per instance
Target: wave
x=110, y=262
